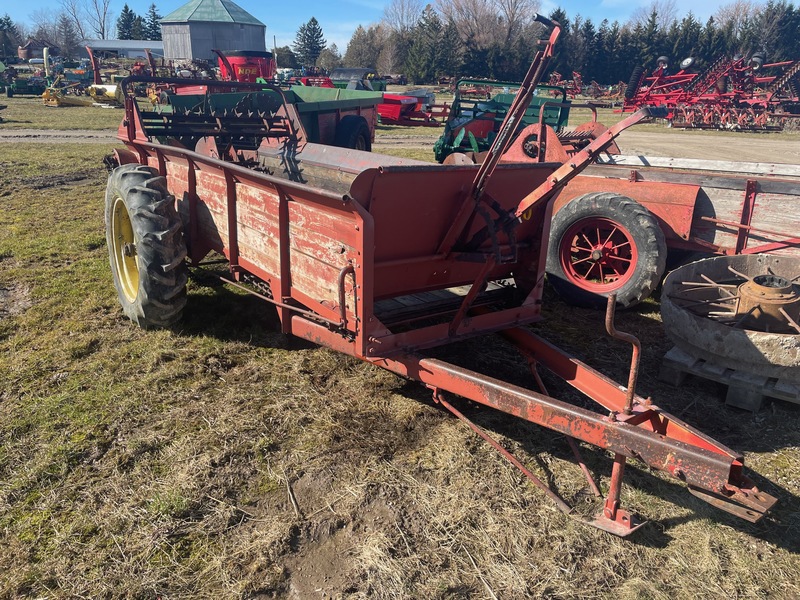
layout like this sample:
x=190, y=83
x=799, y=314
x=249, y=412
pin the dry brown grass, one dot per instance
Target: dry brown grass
x=222, y=460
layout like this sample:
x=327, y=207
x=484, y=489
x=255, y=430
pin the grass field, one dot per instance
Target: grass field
x=222, y=460
x=29, y=112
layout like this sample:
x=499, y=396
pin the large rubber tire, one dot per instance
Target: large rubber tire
x=634, y=83
x=604, y=243
x=353, y=132
x=146, y=246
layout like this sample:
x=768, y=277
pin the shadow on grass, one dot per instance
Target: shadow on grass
x=535, y=440
x=219, y=312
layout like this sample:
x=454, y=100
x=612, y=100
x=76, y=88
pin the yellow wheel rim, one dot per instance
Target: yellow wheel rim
x=124, y=250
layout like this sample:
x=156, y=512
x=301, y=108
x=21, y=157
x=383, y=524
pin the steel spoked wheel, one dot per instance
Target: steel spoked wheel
x=598, y=254
x=145, y=246
x=123, y=247
x=740, y=312
x=602, y=244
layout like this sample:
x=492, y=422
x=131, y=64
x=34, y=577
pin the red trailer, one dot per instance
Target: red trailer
x=384, y=258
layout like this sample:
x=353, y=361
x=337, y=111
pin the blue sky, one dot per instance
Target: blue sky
x=339, y=18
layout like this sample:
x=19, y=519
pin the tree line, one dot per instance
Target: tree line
x=496, y=39
x=493, y=39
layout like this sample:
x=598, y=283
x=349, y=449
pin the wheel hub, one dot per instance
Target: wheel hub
x=768, y=301
x=600, y=255
x=124, y=249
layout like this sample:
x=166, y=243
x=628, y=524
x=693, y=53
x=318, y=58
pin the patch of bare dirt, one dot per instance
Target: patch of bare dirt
x=59, y=180
x=749, y=147
x=14, y=299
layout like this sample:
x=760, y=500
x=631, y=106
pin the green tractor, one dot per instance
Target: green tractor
x=479, y=107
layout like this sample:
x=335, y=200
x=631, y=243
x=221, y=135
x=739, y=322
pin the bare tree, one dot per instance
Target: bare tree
x=43, y=25
x=736, y=15
x=476, y=20
x=666, y=11
x=98, y=13
x=485, y=22
x=517, y=15
x=402, y=15
x=76, y=13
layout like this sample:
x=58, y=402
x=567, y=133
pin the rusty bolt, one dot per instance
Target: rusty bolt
x=129, y=250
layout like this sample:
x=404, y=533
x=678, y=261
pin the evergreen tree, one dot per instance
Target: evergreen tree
x=125, y=24
x=604, y=58
x=561, y=53
x=9, y=37
x=285, y=58
x=449, y=64
x=138, y=30
x=152, y=25
x=686, y=38
x=476, y=60
x=424, y=58
x=364, y=48
x=585, y=46
x=309, y=43
x=712, y=41
x=330, y=58
x=67, y=36
x=652, y=43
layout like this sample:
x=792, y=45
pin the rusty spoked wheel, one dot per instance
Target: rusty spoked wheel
x=603, y=243
x=758, y=301
x=145, y=246
x=597, y=254
x=740, y=312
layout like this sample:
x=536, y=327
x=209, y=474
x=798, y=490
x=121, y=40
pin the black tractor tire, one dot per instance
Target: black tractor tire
x=634, y=82
x=604, y=230
x=353, y=132
x=146, y=247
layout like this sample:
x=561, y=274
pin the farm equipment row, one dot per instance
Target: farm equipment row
x=384, y=258
x=615, y=222
x=731, y=93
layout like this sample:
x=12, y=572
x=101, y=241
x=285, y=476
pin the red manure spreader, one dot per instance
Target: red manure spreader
x=383, y=259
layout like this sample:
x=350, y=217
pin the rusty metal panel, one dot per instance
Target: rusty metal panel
x=672, y=204
x=258, y=227
x=322, y=243
x=422, y=208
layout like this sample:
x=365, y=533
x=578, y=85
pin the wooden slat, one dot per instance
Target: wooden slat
x=721, y=166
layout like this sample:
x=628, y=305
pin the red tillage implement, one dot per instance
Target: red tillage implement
x=383, y=258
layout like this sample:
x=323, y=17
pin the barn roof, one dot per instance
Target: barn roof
x=216, y=11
